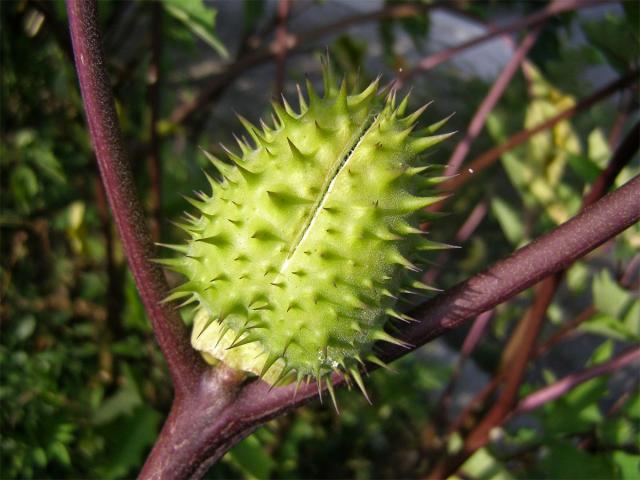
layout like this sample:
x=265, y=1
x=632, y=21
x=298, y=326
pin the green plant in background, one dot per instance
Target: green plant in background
x=84, y=388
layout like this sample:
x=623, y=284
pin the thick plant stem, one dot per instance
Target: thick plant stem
x=197, y=431
x=548, y=254
x=184, y=364
x=521, y=347
x=522, y=344
x=203, y=432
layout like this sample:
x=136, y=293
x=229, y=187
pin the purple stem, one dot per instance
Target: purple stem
x=204, y=426
x=210, y=411
x=548, y=254
x=469, y=226
x=475, y=334
x=490, y=101
x=471, y=340
x=462, y=235
x=623, y=154
x=486, y=159
x=562, y=386
x=184, y=364
x=281, y=46
x=536, y=18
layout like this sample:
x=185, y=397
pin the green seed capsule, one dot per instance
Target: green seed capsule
x=299, y=255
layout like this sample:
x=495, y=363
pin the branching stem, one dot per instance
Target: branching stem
x=213, y=409
x=184, y=364
x=522, y=345
x=218, y=428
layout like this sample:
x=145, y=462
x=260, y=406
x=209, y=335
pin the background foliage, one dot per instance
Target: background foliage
x=83, y=387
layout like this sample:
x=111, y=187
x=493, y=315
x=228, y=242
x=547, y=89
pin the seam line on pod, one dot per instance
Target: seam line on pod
x=366, y=128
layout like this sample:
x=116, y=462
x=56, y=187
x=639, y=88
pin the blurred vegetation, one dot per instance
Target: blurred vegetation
x=84, y=389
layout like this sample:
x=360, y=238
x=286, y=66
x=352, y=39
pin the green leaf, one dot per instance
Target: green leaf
x=25, y=327
x=482, y=466
x=632, y=320
x=601, y=354
x=608, y=326
x=632, y=407
x=496, y=126
x=578, y=277
x=609, y=297
x=627, y=465
x=123, y=402
x=523, y=436
x=25, y=137
x=253, y=11
x=129, y=441
x=617, y=42
x=198, y=18
x=564, y=460
x=508, y=219
x=24, y=186
x=39, y=456
x=584, y=167
x=599, y=151
x=537, y=168
x=576, y=411
x=58, y=451
x=50, y=166
x=617, y=431
x=250, y=458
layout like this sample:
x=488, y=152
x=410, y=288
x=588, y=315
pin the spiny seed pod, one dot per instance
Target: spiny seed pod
x=299, y=255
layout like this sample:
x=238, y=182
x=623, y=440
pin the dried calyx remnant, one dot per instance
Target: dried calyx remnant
x=298, y=257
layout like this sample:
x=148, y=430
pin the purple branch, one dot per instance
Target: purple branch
x=548, y=254
x=281, y=46
x=476, y=332
x=462, y=235
x=623, y=155
x=205, y=425
x=535, y=18
x=210, y=412
x=487, y=158
x=475, y=335
x=490, y=101
x=562, y=386
x=184, y=364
